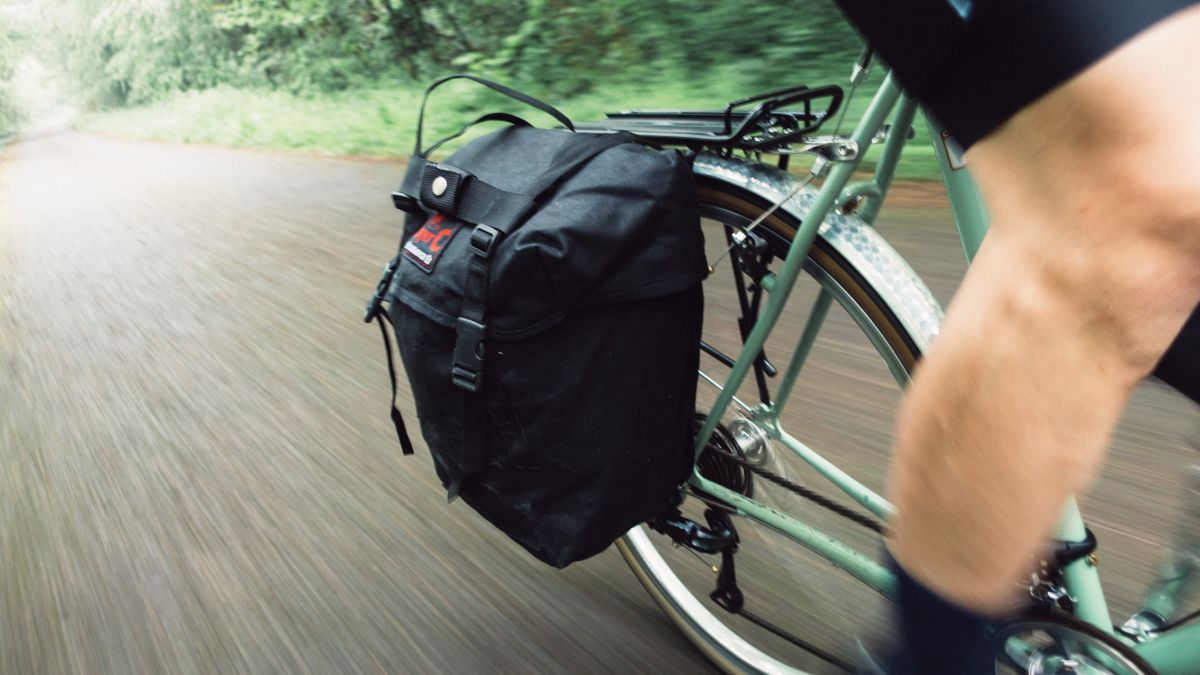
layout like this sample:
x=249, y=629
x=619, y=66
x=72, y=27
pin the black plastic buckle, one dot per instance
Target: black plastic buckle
x=405, y=202
x=467, y=372
x=483, y=240
x=385, y=280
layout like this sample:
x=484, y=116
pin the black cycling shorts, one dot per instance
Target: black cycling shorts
x=1180, y=366
x=975, y=63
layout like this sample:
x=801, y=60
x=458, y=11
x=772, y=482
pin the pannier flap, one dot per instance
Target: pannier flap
x=623, y=226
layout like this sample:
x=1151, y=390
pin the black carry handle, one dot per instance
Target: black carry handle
x=495, y=86
x=490, y=117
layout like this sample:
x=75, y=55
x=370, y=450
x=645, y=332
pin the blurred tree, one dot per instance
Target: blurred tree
x=565, y=46
x=301, y=44
x=772, y=40
x=126, y=52
x=10, y=114
x=436, y=35
x=130, y=51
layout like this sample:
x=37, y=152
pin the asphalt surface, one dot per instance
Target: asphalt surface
x=197, y=470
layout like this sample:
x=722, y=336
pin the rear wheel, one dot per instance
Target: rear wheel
x=842, y=406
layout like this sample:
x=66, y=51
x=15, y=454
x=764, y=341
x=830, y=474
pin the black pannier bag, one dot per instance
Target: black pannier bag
x=546, y=300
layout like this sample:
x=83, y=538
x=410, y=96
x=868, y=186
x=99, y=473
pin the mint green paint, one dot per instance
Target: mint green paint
x=889, y=158
x=970, y=214
x=858, y=565
x=812, y=326
x=1082, y=579
x=839, y=176
x=1174, y=653
x=860, y=493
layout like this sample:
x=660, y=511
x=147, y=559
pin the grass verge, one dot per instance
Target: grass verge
x=380, y=122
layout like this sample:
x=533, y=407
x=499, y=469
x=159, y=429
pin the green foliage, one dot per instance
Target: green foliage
x=9, y=113
x=169, y=51
x=125, y=52
x=380, y=121
x=352, y=122
x=566, y=47
x=768, y=39
x=300, y=44
x=11, y=39
x=129, y=52
x=132, y=51
x=345, y=75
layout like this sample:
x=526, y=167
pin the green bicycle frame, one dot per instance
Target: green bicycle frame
x=1172, y=653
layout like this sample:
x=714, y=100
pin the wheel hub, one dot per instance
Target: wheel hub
x=752, y=440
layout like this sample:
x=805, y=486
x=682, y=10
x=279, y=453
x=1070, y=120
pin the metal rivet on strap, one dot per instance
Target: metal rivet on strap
x=439, y=186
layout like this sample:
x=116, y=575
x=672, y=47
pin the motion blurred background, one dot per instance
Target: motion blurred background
x=197, y=471
x=341, y=76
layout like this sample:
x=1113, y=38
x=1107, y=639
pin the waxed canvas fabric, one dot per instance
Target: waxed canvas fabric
x=594, y=312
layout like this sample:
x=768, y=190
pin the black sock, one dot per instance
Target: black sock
x=937, y=637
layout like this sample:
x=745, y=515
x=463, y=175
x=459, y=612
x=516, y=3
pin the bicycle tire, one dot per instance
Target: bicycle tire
x=852, y=279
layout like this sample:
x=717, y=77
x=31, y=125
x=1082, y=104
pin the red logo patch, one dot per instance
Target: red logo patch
x=427, y=244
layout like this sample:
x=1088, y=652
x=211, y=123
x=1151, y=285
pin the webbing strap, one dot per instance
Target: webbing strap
x=474, y=455
x=374, y=312
x=471, y=328
x=494, y=86
x=478, y=202
x=490, y=117
x=406, y=445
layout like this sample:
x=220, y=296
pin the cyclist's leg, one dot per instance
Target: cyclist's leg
x=1090, y=269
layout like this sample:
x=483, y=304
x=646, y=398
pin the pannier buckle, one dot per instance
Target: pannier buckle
x=467, y=372
x=483, y=240
x=405, y=202
x=385, y=280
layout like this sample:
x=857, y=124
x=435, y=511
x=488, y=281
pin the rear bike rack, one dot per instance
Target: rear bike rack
x=768, y=126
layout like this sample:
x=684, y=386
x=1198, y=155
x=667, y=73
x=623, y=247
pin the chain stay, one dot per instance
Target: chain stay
x=811, y=495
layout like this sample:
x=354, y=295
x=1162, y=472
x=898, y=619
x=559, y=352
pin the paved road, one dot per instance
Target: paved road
x=197, y=472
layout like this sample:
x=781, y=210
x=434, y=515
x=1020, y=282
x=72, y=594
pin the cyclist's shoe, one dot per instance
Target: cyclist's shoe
x=936, y=637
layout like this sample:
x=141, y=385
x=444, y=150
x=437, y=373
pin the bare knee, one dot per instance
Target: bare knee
x=1101, y=191
x=1145, y=258
x=1104, y=226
